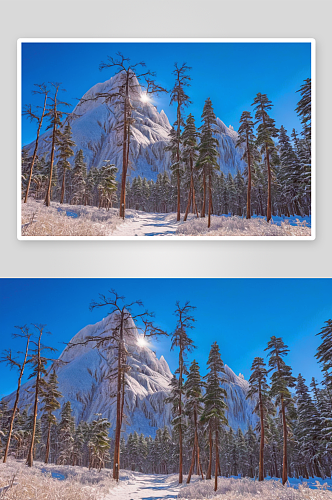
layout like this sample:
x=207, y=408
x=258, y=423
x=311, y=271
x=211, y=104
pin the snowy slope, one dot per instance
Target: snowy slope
x=84, y=380
x=96, y=132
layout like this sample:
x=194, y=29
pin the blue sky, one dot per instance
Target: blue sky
x=240, y=314
x=231, y=74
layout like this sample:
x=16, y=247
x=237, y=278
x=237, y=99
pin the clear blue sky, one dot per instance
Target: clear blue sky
x=231, y=74
x=240, y=314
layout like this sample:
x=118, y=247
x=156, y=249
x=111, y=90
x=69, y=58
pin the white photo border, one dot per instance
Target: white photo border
x=312, y=41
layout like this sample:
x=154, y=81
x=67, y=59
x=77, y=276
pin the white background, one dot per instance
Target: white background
x=159, y=18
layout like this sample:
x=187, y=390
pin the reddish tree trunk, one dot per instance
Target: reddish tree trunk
x=261, y=449
x=11, y=423
x=249, y=182
x=116, y=462
x=124, y=153
x=204, y=194
x=217, y=463
x=47, y=452
x=35, y=150
x=49, y=187
x=35, y=410
x=191, y=465
x=208, y=474
x=210, y=201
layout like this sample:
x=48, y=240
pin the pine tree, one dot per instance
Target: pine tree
x=259, y=389
x=308, y=431
x=50, y=394
x=290, y=173
x=208, y=154
x=54, y=115
x=266, y=131
x=190, y=155
x=303, y=109
x=39, y=117
x=38, y=362
x=281, y=380
x=99, y=443
x=20, y=365
x=324, y=352
x=214, y=405
x=193, y=408
x=66, y=430
x=178, y=96
x=246, y=135
x=180, y=339
x=79, y=177
x=124, y=97
x=64, y=152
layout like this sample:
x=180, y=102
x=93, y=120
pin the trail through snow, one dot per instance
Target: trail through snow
x=148, y=224
x=137, y=486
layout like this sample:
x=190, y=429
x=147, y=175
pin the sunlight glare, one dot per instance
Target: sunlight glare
x=141, y=341
x=145, y=97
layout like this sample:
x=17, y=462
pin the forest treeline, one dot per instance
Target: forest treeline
x=276, y=180
x=292, y=436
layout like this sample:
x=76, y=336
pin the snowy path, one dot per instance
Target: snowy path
x=138, y=486
x=148, y=224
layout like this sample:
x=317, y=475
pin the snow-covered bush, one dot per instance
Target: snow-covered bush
x=37, y=483
x=237, y=226
x=67, y=220
x=247, y=489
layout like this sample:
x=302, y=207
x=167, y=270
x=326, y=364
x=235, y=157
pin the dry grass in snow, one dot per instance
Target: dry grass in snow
x=37, y=483
x=247, y=489
x=39, y=220
x=236, y=226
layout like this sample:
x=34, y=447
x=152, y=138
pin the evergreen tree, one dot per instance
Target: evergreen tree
x=259, y=389
x=64, y=151
x=303, y=109
x=99, y=443
x=281, y=381
x=290, y=174
x=190, y=155
x=266, y=131
x=214, y=405
x=50, y=394
x=180, y=339
x=247, y=137
x=66, y=429
x=208, y=154
x=193, y=408
x=79, y=177
x=178, y=96
x=324, y=352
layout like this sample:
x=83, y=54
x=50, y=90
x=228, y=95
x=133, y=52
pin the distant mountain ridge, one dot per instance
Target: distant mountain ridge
x=84, y=380
x=95, y=132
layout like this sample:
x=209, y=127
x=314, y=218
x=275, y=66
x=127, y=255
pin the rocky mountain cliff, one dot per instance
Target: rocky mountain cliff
x=85, y=379
x=96, y=131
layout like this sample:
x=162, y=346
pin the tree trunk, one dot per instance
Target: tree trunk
x=180, y=415
x=35, y=151
x=284, y=425
x=116, y=462
x=269, y=205
x=188, y=205
x=204, y=194
x=198, y=463
x=47, y=452
x=261, y=449
x=208, y=474
x=249, y=182
x=63, y=185
x=16, y=401
x=49, y=187
x=217, y=463
x=178, y=160
x=124, y=153
x=210, y=201
x=192, y=464
x=35, y=410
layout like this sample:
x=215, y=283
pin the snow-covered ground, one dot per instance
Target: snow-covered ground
x=247, y=489
x=78, y=220
x=53, y=482
x=64, y=482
